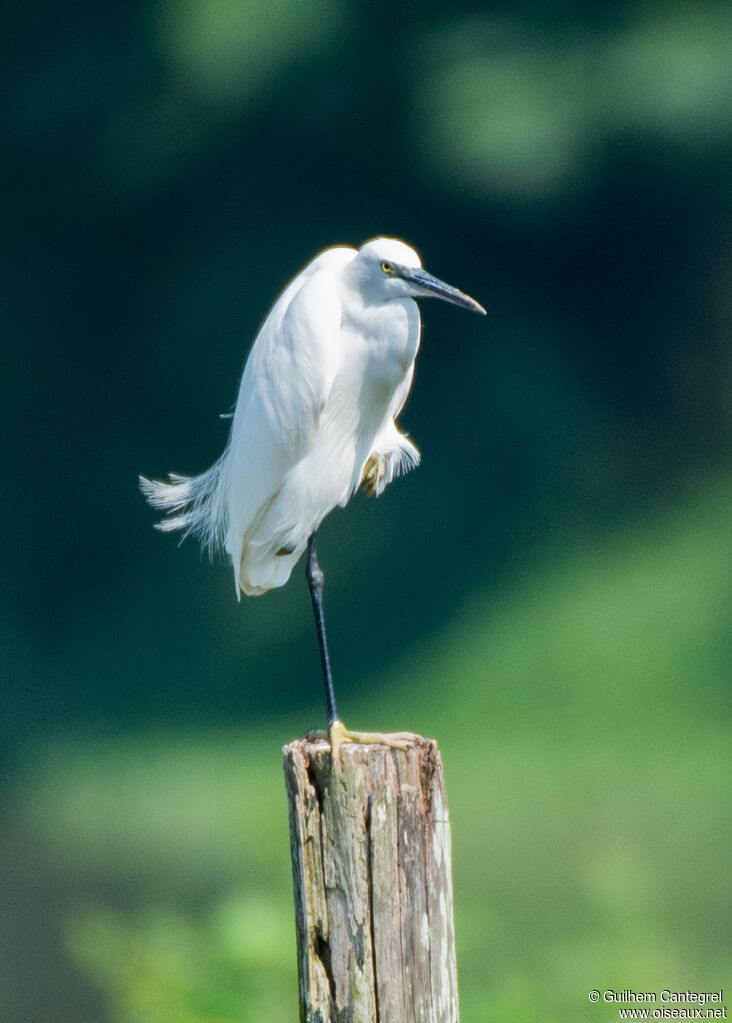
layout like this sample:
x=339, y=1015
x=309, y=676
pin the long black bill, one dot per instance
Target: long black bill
x=434, y=287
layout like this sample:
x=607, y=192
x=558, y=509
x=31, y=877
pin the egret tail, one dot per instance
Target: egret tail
x=197, y=505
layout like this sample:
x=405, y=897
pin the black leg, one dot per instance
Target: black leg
x=316, y=579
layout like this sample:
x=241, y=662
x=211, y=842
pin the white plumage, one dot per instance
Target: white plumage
x=325, y=381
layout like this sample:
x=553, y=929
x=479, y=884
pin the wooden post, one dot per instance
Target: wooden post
x=372, y=869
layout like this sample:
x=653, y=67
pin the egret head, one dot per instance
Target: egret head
x=394, y=270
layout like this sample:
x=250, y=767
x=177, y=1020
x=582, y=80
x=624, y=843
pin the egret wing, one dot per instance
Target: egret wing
x=284, y=387
x=283, y=391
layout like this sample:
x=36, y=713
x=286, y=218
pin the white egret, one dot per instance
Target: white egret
x=315, y=420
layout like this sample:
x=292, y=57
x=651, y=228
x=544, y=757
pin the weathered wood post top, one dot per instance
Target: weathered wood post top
x=372, y=871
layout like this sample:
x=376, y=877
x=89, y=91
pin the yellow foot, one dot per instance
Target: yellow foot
x=337, y=734
x=373, y=473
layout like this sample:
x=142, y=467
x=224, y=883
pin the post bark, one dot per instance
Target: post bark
x=372, y=871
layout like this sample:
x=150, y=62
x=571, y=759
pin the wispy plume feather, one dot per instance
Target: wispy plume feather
x=197, y=505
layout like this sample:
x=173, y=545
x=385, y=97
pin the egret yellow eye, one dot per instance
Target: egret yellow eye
x=388, y=268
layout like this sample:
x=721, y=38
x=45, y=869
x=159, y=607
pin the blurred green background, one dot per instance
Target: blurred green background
x=549, y=594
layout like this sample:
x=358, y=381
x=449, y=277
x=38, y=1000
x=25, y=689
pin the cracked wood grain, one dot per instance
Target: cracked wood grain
x=372, y=873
